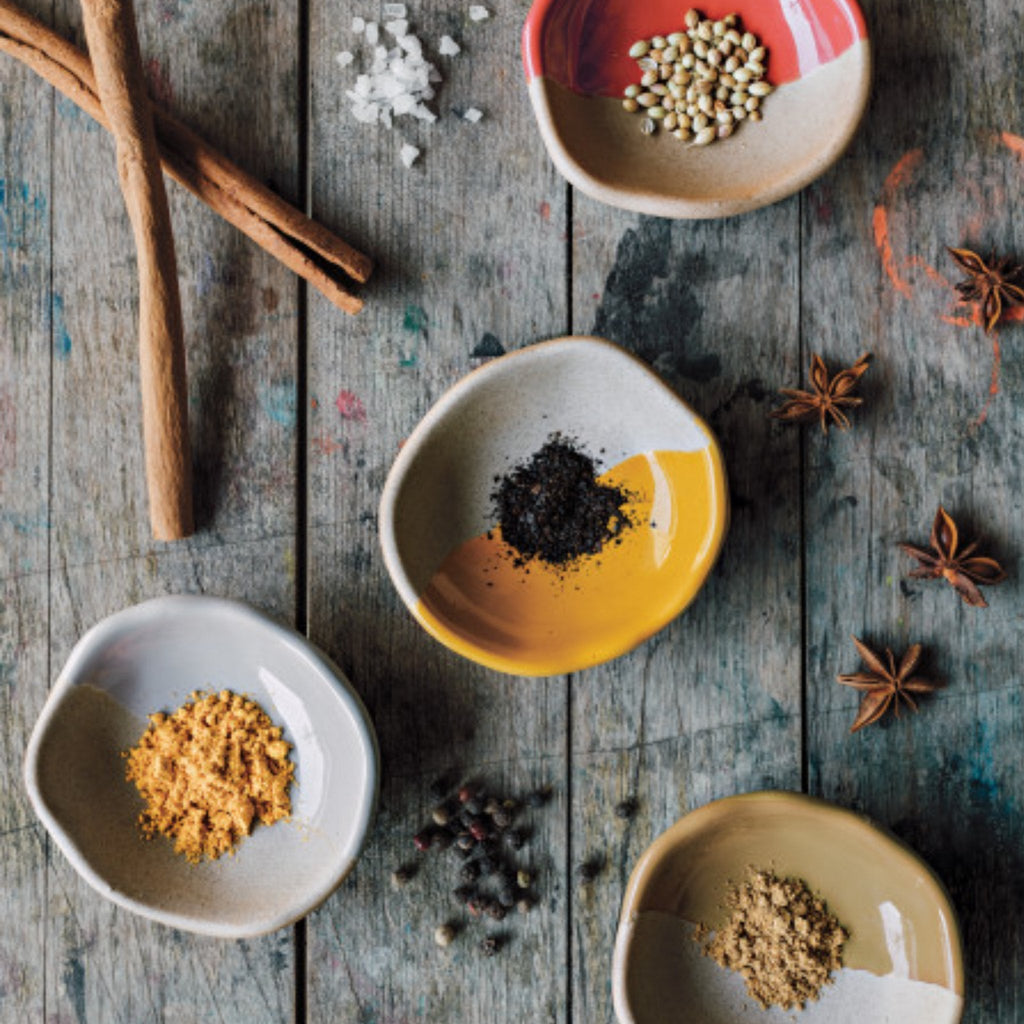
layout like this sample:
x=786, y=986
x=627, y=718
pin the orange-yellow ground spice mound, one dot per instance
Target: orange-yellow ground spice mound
x=208, y=771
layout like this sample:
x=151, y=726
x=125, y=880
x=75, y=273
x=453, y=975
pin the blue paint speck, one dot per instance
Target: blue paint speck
x=61, y=337
x=279, y=402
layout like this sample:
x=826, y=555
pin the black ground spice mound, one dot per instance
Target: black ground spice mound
x=551, y=507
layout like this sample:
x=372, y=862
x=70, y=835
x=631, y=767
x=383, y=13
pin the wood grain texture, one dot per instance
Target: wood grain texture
x=25, y=355
x=711, y=705
x=481, y=249
x=103, y=964
x=941, y=424
x=454, y=281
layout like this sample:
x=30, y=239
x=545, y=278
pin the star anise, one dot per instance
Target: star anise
x=884, y=685
x=963, y=570
x=990, y=284
x=827, y=399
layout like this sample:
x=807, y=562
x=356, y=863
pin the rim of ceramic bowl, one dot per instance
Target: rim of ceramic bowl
x=695, y=821
x=453, y=397
x=532, y=44
x=147, y=612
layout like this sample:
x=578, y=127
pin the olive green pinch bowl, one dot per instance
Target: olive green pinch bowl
x=151, y=657
x=902, y=962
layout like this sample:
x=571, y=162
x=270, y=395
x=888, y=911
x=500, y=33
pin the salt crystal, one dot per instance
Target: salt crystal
x=411, y=45
x=394, y=11
x=424, y=113
x=372, y=32
x=448, y=47
x=472, y=115
x=408, y=154
x=398, y=27
x=358, y=24
x=477, y=12
x=344, y=58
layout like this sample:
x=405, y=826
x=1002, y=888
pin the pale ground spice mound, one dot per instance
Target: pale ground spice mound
x=208, y=771
x=781, y=938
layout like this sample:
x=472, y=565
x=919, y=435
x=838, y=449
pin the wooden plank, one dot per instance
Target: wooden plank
x=710, y=706
x=230, y=73
x=940, y=425
x=470, y=244
x=25, y=121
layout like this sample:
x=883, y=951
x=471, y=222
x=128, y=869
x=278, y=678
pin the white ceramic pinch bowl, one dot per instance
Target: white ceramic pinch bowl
x=150, y=658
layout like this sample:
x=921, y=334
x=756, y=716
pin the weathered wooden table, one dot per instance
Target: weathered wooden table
x=297, y=411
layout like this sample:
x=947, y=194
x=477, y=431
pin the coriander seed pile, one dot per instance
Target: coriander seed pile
x=699, y=83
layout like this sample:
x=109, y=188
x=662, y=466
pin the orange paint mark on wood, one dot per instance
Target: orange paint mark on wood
x=325, y=445
x=933, y=275
x=1014, y=143
x=958, y=321
x=884, y=247
x=902, y=170
x=993, y=385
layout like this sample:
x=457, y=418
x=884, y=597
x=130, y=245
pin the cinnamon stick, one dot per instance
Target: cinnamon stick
x=114, y=45
x=300, y=243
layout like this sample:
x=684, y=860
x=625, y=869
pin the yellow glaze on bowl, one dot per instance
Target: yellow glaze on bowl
x=539, y=620
x=442, y=545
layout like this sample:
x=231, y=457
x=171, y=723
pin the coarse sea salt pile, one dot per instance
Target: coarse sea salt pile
x=399, y=80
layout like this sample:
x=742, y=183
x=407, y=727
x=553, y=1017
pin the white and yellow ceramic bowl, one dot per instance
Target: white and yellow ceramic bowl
x=902, y=962
x=439, y=533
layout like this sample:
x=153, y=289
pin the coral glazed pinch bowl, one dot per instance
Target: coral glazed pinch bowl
x=902, y=960
x=577, y=64
x=444, y=547
x=151, y=657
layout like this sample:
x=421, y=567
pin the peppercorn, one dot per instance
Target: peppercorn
x=492, y=805
x=444, y=934
x=470, y=872
x=479, y=831
x=474, y=906
x=401, y=876
x=507, y=896
x=539, y=797
x=524, y=904
x=464, y=893
x=442, y=839
x=466, y=792
x=491, y=847
x=488, y=865
x=422, y=840
x=490, y=946
x=494, y=909
x=626, y=808
x=590, y=869
x=474, y=805
x=501, y=819
x=516, y=838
